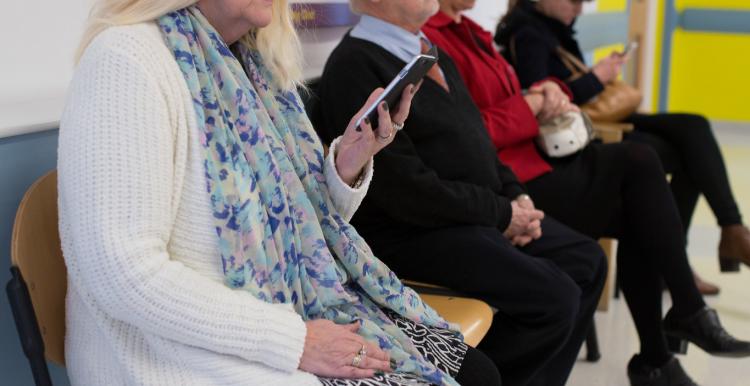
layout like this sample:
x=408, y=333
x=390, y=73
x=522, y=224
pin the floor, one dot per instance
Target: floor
x=617, y=338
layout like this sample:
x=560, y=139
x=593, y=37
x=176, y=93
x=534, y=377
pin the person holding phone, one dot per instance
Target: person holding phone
x=604, y=190
x=204, y=229
x=442, y=209
x=685, y=143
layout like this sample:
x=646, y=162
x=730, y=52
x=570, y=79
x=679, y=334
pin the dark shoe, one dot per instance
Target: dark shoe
x=704, y=330
x=669, y=374
x=734, y=248
x=705, y=287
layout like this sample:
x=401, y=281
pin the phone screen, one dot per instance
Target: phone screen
x=629, y=48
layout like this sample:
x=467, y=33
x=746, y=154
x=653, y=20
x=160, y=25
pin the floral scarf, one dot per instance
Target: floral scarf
x=280, y=235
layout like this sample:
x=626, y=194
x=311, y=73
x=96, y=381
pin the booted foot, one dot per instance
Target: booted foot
x=705, y=287
x=734, y=248
x=669, y=374
x=704, y=330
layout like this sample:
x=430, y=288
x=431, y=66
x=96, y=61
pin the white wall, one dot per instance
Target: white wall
x=38, y=39
x=487, y=13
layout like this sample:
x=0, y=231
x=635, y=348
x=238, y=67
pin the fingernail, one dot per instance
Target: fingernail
x=366, y=121
x=379, y=373
x=385, y=105
x=413, y=89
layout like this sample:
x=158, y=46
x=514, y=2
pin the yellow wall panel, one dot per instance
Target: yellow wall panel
x=604, y=51
x=715, y=4
x=659, y=32
x=710, y=75
x=611, y=5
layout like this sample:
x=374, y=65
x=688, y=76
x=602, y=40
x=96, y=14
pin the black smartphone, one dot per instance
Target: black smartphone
x=412, y=73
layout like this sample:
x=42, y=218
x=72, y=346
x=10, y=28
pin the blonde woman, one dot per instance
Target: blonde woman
x=205, y=232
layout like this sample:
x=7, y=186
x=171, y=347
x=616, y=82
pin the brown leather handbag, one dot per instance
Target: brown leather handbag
x=615, y=103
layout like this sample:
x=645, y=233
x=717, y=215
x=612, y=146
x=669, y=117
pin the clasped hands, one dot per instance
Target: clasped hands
x=547, y=101
x=525, y=223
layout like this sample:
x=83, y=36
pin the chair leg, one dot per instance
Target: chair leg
x=592, y=344
x=28, y=328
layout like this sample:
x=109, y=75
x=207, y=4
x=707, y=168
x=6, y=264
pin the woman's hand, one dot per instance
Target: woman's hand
x=359, y=144
x=608, y=69
x=555, y=102
x=330, y=351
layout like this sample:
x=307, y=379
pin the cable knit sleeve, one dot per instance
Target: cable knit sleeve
x=120, y=142
x=344, y=197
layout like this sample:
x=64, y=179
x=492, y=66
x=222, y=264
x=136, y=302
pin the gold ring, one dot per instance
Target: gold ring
x=356, y=360
x=398, y=126
x=386, y=137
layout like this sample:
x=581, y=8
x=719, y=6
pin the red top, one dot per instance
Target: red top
x=495, y=88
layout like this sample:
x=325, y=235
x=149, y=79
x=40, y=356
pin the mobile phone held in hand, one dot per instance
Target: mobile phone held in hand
x=412, y=73
x=629, y=48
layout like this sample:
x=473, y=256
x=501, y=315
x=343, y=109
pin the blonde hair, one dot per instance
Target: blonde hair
x=277, y=43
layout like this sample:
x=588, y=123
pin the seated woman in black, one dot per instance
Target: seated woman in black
x=684, y=142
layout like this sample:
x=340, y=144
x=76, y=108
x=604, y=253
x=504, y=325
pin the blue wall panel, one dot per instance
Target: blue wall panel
x=23, y=159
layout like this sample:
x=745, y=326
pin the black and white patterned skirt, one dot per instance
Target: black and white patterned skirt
x=439, y=346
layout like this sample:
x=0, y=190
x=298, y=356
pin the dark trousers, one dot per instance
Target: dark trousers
x=620, y=190
x=545, y=293
x=689, y=152
x=478, y=370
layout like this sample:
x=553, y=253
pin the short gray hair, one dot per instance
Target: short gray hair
x=356, y=6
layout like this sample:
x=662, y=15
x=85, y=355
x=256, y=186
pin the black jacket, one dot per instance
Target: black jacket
x=534, y=38
x=441, y=169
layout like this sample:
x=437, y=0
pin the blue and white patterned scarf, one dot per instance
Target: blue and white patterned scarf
x=280, y=236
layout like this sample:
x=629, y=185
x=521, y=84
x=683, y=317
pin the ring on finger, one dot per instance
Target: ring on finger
x=387, y=136
x=362, y=351
x=398, y=126
x=356, y=360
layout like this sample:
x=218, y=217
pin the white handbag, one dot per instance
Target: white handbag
x=565, y=134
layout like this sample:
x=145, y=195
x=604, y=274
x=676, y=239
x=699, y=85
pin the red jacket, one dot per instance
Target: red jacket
x=495, y=88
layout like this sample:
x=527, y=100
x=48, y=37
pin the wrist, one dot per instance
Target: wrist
x=352, y=178
x=349, y=177
x=535, y=100
x=599, y=75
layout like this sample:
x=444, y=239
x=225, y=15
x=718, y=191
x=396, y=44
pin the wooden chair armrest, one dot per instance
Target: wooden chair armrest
x=611, y=132
x=621, y=126
x=474, y=317
x=607, y=135
x=432, y=289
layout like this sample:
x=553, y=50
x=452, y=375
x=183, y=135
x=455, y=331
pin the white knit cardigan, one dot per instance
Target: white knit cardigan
x=146, y=304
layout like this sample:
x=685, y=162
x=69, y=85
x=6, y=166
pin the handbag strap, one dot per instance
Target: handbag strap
x=575, y=65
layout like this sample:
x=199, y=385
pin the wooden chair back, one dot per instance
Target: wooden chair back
x=37, y=253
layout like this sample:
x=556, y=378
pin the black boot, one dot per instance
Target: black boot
x=669, y=374
x=703, y=329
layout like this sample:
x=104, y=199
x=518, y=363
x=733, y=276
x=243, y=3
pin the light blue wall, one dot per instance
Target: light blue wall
x=23, y=159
